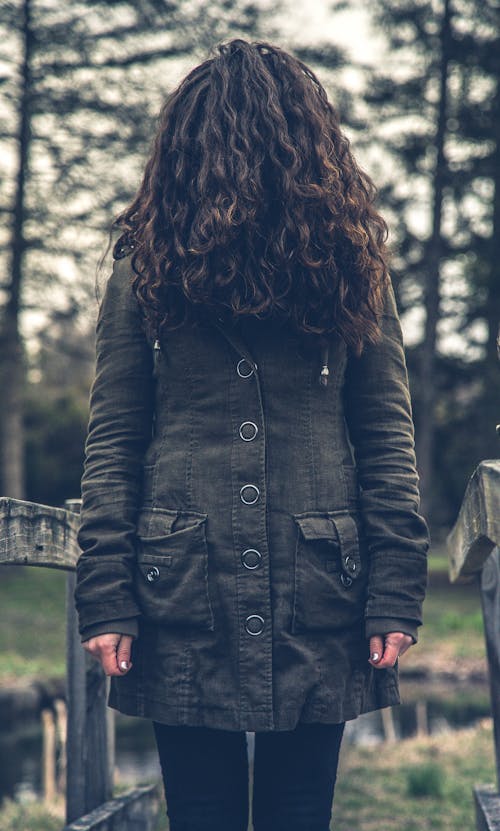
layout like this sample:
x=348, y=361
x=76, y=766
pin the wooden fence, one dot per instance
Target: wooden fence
x=473, y=546
x=39, y=535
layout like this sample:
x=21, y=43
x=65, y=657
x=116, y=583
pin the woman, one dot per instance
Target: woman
x=253, y=558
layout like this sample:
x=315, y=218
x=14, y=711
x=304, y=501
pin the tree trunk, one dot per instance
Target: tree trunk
x=12, y=417
x=428, y=386
x=492, y=373
x=12, y=376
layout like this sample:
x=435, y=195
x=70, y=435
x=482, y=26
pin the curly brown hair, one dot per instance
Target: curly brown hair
x=252, y=203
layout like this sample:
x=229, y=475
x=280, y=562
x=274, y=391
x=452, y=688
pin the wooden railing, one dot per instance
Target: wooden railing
x=473, y=546
x=39, y=535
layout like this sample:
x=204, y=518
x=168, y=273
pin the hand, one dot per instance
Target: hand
x=112, y=650
x=386, y=649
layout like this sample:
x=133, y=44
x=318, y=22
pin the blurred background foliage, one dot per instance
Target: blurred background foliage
x=418, y=93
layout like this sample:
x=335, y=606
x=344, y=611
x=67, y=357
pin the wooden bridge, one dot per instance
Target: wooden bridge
x=38, y=535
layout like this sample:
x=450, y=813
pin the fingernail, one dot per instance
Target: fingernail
x=375, y=656
x=123, y=664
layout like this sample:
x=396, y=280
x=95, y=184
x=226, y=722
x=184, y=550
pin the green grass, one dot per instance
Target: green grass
x=438, y=563
x=453, y=626
x=414, y=785
x=32, y=623
x=30, y=817
x=452, y=621
x=427, y=779
x=438, y=554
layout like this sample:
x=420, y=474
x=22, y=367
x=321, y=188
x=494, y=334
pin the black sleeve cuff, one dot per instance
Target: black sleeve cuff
x=384, y=625
x=126, y=626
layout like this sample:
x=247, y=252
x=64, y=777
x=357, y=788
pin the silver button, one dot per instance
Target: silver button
x=249, y=494
x=152, y=574
x=345, y=580
x=254, y=624
x=248, y=430
x=251, y=558
x=244, y=368
x=349, y=564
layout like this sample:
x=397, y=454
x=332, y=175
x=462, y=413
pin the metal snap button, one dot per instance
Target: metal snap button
x=254, y=624
x=346, y=580
x=350, y=564
x=249, y=494
x=248, y=430
x=152, y=574
x=251, y=558
x=244, y=368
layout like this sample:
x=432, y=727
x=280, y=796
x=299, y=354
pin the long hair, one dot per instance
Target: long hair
x=252, y=203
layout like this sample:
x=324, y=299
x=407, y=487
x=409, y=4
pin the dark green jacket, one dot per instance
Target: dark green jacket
x=251, y=526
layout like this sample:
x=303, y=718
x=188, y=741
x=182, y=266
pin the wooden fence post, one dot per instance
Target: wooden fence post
x=490, y=598
x=88, y=766
x=44, y=536
x=473, y=546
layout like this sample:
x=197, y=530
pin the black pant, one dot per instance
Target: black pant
x=205, y=775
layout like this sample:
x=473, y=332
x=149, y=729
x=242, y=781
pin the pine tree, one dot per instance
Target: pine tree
x=81, y=85
x=436, y=105
x=410, y=100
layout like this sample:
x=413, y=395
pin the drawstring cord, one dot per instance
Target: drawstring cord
x=325, y=372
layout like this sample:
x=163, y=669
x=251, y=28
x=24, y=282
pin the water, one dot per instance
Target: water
x=21, y=778
x=136, y=756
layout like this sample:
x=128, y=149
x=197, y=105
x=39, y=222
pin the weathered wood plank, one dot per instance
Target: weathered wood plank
x=88, y=764
x=135, y=810
x=487, y=809
x=37, y=535
x=490, y=599
x=477, y=529
x=88, y=782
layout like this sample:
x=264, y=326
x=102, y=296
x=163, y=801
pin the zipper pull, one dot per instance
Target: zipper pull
x=325, y=372
x=156, y=356
x=323, y=376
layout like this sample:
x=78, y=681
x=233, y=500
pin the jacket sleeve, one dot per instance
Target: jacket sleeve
x=379, y=420
x=120, y=425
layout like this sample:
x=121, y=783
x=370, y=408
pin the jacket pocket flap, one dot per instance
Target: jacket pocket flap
x=317, y=528
x=155, y=522
x=340, y=529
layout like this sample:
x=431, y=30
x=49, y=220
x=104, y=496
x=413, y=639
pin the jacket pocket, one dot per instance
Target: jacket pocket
x=331, y=572
x=172, y=564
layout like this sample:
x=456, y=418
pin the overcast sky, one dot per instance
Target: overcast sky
x=313, y=22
